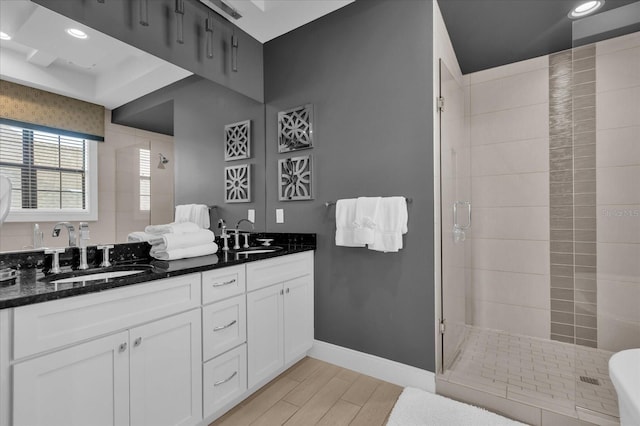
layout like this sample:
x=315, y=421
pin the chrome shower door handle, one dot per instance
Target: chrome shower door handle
x=466, y=204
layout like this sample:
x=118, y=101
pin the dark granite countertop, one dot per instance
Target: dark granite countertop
x=32, y=284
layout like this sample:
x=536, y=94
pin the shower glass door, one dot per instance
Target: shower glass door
x=455, y=213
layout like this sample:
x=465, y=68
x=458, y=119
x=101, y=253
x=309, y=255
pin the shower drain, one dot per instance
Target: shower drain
x=590, y=380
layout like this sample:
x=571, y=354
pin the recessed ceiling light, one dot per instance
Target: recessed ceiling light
x=4, y=36
x=74, y=32
x=585, y=8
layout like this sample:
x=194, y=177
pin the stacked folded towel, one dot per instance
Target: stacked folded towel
x=178, y=241
x=141, y=236
x=196, y=213
x=172, y=228
x=376, y=222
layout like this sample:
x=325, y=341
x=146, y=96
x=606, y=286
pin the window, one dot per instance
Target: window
x=145, y=180
x=53, y=173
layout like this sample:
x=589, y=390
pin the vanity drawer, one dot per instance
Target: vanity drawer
x=264, y=273
x=224, y=326
x=49, y=325
x=222, y=283
x=225, y=378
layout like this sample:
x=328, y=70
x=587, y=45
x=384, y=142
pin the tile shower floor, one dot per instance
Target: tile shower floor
x=538, y=372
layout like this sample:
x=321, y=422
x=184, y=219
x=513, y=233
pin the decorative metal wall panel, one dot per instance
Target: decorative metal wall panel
x=295, y=129
x=237, y=141
x=237, y=184
x=295, y=178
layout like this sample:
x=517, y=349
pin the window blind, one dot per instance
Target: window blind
x=47, y=169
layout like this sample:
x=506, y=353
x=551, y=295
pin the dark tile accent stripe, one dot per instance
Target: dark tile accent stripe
x=572, y=195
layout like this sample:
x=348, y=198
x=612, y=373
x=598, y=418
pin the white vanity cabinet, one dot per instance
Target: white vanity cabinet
x=129, y=356
x=176, y=351
x=279, y=314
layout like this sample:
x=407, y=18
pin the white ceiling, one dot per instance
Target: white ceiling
x=106, y=71
x=100, y=69
x=267, y=19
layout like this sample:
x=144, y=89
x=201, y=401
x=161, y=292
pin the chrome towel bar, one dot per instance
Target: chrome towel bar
x=332, y=203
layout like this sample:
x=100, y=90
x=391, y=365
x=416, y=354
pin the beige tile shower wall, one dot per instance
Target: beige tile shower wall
x=509, y=122
x=618, y=191
x=16, y=236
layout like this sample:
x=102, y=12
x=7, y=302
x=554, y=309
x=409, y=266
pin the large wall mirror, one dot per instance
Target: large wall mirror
x=164, y=127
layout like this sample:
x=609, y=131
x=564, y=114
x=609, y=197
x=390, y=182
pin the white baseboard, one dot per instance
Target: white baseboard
x=374, y=366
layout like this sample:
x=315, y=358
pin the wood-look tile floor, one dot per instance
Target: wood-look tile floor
x=313, y=392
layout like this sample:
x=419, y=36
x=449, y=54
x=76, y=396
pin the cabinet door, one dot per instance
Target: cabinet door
x=87, y=384
x=298, y=317
x=264, y=332
x=166, y=371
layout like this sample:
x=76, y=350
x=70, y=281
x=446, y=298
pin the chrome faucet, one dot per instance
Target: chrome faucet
x=244, y=220
x=223, y=234
x=236, y=234
x=72, y=233
x=83, y=230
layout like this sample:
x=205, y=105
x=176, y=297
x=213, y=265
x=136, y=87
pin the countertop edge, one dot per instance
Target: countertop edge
x=157, y=274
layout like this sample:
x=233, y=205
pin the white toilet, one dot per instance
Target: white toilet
x=624, y=370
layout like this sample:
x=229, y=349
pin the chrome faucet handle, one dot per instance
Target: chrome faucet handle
x=83, y=258
x=225, y=238
x=246, y=240
x=236, y=238
x=55, y=261
x=83, y=230
x=105, y=255
x=222, y=225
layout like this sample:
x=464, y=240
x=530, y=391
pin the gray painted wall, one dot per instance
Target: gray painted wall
x=367, y=68
x=201, y=109
x=119, y=19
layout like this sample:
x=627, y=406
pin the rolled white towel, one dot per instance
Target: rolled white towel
x=175, y=228
x=177, y=241
x=140, y=236
x=183, y=253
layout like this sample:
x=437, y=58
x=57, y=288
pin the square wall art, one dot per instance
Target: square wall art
x=295, y=128
x=237, y=141
x=295, y=178
x=237, y=184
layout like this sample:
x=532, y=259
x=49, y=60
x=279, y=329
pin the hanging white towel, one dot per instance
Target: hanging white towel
x=183, y=253
x=200, y=215
x=183, y=213
x=365, y=219
x=345, y=217
x=176, y=228
x=391, y=221
x=196, y=213
x=168, y=242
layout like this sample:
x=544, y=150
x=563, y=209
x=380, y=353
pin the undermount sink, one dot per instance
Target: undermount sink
x=94, y=275
x=259, y=250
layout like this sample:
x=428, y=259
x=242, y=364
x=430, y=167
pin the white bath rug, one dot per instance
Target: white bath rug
x=416, y=407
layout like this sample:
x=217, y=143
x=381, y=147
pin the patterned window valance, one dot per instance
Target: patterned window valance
x=29, y=105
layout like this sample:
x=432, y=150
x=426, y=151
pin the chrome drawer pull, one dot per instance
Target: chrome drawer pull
x=222, y=327
x=225, y=283
x=222, y=382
